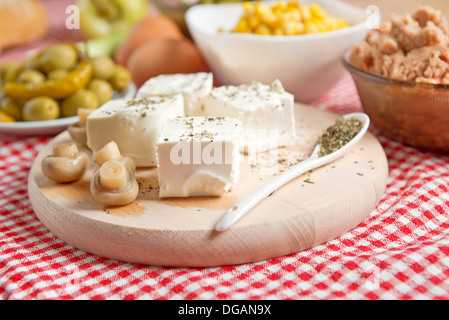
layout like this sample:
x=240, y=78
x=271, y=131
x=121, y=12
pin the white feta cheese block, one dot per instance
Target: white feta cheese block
x=266, y=113
x=193, y=86
x=198, y=156
x=134, y=124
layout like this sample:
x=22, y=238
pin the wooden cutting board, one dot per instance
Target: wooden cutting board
x=310, y=210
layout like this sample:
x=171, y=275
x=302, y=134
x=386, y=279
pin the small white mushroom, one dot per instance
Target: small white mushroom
x=66, y=164
x=77, y=130
x=110, y=151
x=114, y=184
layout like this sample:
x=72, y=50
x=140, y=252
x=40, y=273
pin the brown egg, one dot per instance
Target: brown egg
x=164, y=56
x=155, y=26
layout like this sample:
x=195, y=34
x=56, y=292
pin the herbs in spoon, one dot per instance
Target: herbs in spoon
x=337, y=135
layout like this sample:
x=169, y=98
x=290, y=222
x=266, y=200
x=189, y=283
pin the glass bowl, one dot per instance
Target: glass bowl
x=415, y=114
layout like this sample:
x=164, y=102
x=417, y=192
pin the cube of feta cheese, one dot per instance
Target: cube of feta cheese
x=266, y=113
x=134, y=124
x=198, y=156
x=193, y=86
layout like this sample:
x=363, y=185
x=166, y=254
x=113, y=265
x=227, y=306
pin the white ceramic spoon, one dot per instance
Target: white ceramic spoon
x=314, y=161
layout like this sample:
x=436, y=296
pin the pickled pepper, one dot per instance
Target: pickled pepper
x=56, y=89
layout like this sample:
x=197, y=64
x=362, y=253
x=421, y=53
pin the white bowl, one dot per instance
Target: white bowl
x=307, y=65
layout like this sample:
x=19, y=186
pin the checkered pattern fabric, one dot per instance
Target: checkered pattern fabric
x=401, y=251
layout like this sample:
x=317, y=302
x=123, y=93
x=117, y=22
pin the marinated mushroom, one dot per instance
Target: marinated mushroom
x=77, y=130
x=114, y=184
x=66, y=164
x=111, y=151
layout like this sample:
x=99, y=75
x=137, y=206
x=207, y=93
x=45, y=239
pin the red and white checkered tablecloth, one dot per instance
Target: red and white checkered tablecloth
x=401, y=251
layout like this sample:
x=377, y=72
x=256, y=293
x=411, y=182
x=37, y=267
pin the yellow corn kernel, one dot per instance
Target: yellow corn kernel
x=263, y=30
x=310, y=27
x=316, y=11
x=321, y=26
x=269, y=18
x=291, y=27
x=294, y=4
x=280, y=7
x=253, y=22
x=295, y=13
x=242, y=26
x=282, y=16
x=342, y=23
x=305, y=13
x=278, y=31
x=300, y=27
x=260, y=9
x=248, y=8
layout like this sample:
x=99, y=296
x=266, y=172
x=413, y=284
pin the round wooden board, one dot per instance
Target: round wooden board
x=310, y=210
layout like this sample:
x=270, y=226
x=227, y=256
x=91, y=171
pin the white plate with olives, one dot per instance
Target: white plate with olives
x=51, y=127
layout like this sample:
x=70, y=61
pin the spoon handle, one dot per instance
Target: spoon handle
x=243, y=206
x=314, y=161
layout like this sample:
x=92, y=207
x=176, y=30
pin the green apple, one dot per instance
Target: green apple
x=100, y=18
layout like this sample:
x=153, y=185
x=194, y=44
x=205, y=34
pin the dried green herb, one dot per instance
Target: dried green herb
x=339, y=134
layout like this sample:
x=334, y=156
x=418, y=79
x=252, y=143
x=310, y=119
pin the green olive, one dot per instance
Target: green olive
x=11, y=107
x=33, y=62
x=121, y=78
x=83, y=98
x=103, y=90
x=40, y=108
x=7, y=65
x=103, y=67
x=12, y=72
x=57, y=74
x=59, y=56
x=31, y=76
